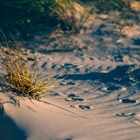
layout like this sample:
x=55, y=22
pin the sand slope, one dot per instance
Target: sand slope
x=99, y=90
x=101, y=67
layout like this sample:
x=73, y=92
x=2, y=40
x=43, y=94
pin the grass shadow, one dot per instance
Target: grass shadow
x=120, y=75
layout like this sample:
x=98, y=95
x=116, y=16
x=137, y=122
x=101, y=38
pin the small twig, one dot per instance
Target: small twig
x=46, y=102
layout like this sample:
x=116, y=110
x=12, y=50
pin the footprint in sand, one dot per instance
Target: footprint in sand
x=110, y=88
x=126, y=114
x=73, y=97
x=83, y=107
x=127, y=101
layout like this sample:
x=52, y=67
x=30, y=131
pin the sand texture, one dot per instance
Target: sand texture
x=99, y=98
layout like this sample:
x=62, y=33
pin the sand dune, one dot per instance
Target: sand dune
x=87, y=105
x=99, y=98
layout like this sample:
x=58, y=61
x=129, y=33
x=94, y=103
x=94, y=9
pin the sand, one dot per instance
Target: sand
x=35, y=120
x=99, y=97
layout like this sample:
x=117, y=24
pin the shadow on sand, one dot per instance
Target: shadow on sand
x=120, y=75
x=9, y=130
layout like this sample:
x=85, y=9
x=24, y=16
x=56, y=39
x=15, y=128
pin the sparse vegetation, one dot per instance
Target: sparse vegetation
x=17, y=75
x=109, y=5
x=29, y=16
x=69, y=14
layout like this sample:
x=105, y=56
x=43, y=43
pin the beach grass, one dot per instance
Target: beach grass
x=17, y=75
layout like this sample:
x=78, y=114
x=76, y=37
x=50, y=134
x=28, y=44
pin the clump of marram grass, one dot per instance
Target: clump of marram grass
x=70, y=13
x=19, y=77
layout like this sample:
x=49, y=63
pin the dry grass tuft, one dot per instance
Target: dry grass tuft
x=70, y=13
x=19, y=77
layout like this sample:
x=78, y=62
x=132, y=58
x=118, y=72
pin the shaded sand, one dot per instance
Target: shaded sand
x=10, y=131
